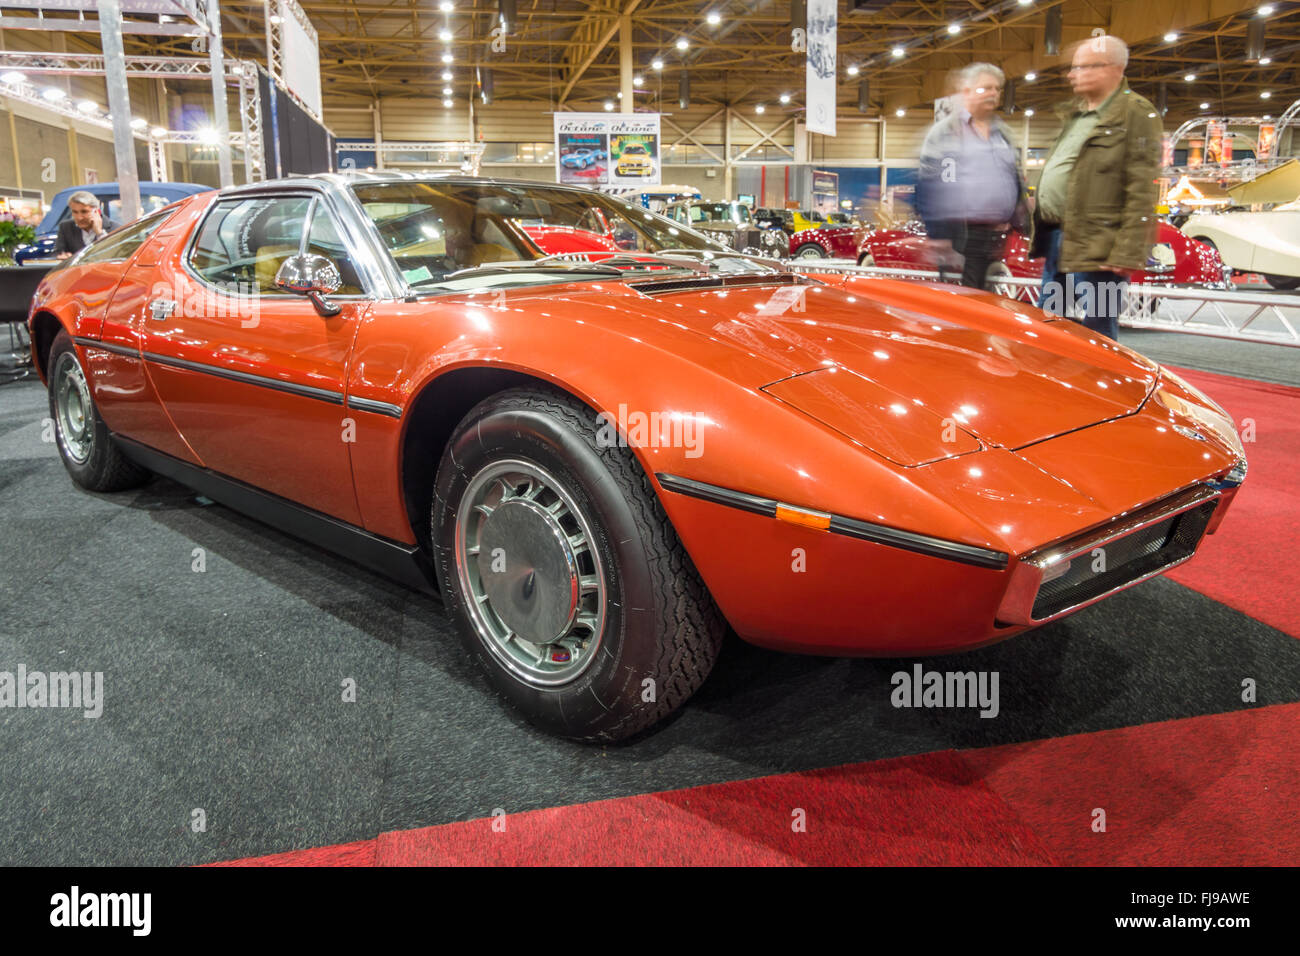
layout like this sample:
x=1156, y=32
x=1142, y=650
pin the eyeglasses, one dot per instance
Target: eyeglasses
x=1080, y=68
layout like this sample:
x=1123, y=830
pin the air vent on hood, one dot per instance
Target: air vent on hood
x=693, y=283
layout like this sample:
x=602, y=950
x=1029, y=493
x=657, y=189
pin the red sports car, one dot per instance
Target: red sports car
x=1174, y=258
x=602, y=465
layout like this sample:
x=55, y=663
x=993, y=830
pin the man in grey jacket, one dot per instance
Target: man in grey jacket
x=969, y=192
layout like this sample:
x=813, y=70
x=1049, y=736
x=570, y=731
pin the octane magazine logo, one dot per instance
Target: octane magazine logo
x=922, y=688
x=652, y=430
x=75, y=909
x=212, y=300
x=58, y=689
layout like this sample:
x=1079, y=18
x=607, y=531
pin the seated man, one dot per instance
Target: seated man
x=86, y=225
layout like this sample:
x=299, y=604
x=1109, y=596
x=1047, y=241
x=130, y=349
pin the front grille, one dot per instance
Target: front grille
x=1123, y=561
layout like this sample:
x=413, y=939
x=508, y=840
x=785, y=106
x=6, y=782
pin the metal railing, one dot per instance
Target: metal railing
x=1272, y=317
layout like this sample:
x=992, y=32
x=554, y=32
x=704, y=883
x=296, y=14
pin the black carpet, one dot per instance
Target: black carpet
x=1258, y=360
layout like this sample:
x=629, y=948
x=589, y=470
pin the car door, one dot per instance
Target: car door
x=252, y=377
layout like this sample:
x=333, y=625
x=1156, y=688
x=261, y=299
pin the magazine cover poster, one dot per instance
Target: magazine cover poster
x=583, y=158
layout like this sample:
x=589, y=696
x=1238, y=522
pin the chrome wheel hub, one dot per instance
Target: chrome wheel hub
x=72, y=409
x=527, y=563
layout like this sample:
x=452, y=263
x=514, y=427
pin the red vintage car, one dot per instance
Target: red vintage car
x=603, y=465
x=1174, y=259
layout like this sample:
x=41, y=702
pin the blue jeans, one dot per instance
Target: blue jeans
x=1095, y=297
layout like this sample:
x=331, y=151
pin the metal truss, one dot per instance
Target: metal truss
x=1221, y=313
x=190, y=10
x=243, y=73
x=443, y=153
x=275, y=45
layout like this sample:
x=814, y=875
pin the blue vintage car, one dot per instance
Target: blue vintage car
x=152, y=196
x=581, y=158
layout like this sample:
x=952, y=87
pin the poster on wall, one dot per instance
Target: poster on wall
x=607, y=149
x=1267, y=138
x=1213, y=142
x=299, y=55
x=820, y=73
x=1166, y=151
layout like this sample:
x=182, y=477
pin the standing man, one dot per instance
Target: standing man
x=86, y=225
x=1094, y=217
x=968, y=189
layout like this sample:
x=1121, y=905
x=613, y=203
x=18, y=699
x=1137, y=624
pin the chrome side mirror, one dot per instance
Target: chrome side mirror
x=312, y=276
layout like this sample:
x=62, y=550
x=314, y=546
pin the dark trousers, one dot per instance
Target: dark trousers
x=1095, y=298
x=980, y=246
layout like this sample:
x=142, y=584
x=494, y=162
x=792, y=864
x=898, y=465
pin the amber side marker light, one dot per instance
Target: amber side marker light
x=817, y=520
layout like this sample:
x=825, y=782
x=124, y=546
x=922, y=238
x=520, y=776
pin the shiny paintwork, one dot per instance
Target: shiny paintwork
x=1194, y=263
x=824, y=396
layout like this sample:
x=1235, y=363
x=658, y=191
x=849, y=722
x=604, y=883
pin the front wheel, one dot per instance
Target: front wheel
x=810, y=250
x=85, y=445
x=566, y=580
x=1283, y=282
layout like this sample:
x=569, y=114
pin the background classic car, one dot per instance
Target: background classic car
x=388, y=368
x=730, y=223
x=1263, y=242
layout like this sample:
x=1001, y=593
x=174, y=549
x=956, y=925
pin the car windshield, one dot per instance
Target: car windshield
x=719, y=212
x=496, y=234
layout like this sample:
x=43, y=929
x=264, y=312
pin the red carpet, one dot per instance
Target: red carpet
x=1204, y=791
x=1252, y=564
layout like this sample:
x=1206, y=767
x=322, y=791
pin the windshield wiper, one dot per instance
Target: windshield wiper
x=633, y=261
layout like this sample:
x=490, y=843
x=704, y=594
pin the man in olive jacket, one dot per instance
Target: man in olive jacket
x=1094, y=213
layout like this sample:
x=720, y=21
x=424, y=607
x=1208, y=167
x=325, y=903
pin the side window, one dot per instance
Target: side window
x=122, y=243
x=323, y=240
x=245, y=241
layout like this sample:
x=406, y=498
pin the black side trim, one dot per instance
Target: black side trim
x=371, y=405
x=106, y=346
x=404, y=563
x=691, y=283
x=248, y=378
x=850, y=527
x=718, y=495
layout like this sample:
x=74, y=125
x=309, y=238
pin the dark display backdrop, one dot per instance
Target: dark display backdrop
x=304, y=145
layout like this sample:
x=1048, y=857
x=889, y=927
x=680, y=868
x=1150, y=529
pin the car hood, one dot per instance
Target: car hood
x=916, y=374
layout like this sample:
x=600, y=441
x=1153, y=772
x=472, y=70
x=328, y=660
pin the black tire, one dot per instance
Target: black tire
x=810, y=250
x=660, y=623
x=1283, y=282
x=85, y=444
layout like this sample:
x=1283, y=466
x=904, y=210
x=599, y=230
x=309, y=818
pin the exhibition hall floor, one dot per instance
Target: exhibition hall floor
x=224, y=704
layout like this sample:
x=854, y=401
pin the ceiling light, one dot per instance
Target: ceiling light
x=714, y=18
x=208, y=136
x=13, y=78
x=1265, y=95
x=637, y=81
x=1025, y=3
x=275, y=18
x=1171, y=37
x=1205, y=106
x=446, y=75
x=447, y=58
x=139, y=123
x=1190, y=77
x=954, y=28
x=444, y=36
x=1265, y=60
x=609, y=106
x=897, y=52
x=447, y=91
x=760, y=108
x=446, y=6
x=1029, y=112
x=1266, y=10
x=88, y=106
x=158, y=132
x=900, y=112
x=853, y=71
x=785, y=97
x=619, y=94
x=53, y=93
x=682, y=44
x=1030, y=77
x=656, y=64
x=447, y=102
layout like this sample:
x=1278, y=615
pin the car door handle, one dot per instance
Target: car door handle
x=160, y=309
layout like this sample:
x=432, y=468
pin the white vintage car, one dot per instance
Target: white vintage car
x=1263, y=242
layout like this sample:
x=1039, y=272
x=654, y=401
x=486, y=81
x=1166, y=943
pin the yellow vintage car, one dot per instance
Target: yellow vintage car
x=635, y=160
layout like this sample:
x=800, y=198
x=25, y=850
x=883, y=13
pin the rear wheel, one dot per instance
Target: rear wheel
x=566, y=580
x=867, y=260
x=1283, y=282
x=85, y=444
x=810, y=250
